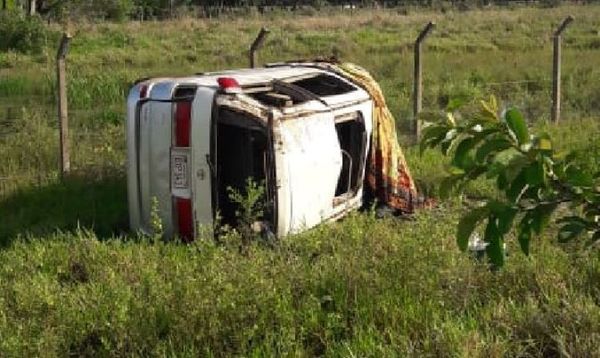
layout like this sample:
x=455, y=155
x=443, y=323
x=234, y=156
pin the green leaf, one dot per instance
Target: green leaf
x=475, y=171
x=577, y=177
x=516, y=187
x=467, y=224
x=492, y=146
x=540, y=216
x=577, y=220
x=504, y=215
x=505, y=219
x=516, y=164
x=432, y=136
x=461, y=154
x=570, y=231
x=535, y=174
x=502, y=181
x=516, y=124
x=524, y=234
x=495, y=247
x=511, y=161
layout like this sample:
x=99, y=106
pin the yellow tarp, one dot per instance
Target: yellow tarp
x=388, y=175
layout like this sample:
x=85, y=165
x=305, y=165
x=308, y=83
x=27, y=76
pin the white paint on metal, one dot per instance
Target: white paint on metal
x=200, y=143
x=309, y=161
x=132, y=166
x=155, y=157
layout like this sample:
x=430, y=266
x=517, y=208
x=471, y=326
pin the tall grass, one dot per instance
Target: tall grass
x=74, y=282
x=362, y=287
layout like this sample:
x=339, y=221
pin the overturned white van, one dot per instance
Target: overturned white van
x=299, y=128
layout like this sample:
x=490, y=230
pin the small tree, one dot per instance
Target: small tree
x=250, y=207
x=531, y=177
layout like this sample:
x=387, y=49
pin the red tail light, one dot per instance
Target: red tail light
x=183, y=122
x=229, y=85
x=185, y=220
x=144, y=91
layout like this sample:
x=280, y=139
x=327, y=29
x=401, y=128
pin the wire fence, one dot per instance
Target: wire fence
x=85, y=140
x=31, y=150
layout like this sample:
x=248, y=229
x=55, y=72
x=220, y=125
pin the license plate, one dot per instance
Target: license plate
x=180, y=161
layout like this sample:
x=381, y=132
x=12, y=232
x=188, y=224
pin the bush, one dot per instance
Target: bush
x=534, y=180
x=118, y=10
x=21, y=34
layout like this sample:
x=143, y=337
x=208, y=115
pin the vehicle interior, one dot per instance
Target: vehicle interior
x=242, y=152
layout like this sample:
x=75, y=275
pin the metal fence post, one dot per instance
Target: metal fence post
x=418, y=81
x=63, y=114
x=556, y=71
x=257, y=44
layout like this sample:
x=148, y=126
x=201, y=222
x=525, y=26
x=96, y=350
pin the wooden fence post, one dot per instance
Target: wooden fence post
x=556, y=71
x=257, y=44
x=418, y=81
x=63, y=114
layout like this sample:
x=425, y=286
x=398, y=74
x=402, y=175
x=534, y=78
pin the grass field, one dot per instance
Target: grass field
x=73, y=281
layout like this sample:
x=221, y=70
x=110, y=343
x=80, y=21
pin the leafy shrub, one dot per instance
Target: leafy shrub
x=533, y=179
x=21, y=34
x=250, y=207
x=118, y=10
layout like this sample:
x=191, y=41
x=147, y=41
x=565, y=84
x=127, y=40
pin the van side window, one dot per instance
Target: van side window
x=325, y=85
x=352, y=136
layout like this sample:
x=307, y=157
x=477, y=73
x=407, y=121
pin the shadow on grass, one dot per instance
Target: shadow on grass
x=98, y=204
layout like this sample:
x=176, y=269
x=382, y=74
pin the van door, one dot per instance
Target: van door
x=308, y=163
x=172, y=159
x=202, y=109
